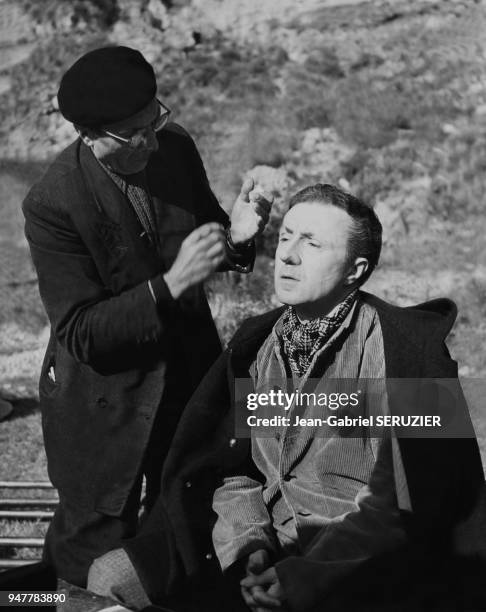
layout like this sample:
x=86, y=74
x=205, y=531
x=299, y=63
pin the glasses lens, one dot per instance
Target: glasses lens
x=160, y=122
x=136, y=139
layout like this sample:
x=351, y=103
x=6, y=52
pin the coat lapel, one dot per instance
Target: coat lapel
x=109, y=200
x=429, y=462
x=116, y=223
x=171, y=189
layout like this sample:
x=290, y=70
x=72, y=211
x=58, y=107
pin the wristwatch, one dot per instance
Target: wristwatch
x=241, y=247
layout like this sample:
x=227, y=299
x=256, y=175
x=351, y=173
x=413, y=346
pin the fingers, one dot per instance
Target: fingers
x=261, y=598
x=247, y=597
x=204, y=244
x=262, y=205
x=216, y=251
x=262, y=212
x=199, y=256
x=251, y=580
x=204, y=231
x=208, y=228
x=212, y=244
x=246, y=188
x=264, y=199
x=258, y=601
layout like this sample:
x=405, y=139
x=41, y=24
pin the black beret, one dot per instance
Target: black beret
x=105, y=86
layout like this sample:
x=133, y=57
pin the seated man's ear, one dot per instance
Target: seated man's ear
x=356, y=271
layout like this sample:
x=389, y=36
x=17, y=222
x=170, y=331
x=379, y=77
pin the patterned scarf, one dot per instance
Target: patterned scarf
x=135, y=189
x=302, y=340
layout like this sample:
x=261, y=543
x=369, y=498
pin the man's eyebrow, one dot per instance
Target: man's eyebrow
x=309, y=235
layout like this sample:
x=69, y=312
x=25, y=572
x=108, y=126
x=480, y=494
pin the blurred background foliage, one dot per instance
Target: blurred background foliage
x=385, y=98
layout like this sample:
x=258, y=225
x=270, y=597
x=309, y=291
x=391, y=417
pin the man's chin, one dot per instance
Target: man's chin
x=139, y=167
x=134, y=166
x=286, y=297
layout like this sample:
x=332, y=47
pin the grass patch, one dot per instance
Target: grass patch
x=23, y=456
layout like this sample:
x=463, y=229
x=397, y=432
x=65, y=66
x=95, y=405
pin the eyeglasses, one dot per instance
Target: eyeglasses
x=138, y=136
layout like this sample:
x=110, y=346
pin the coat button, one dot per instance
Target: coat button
x=188, y=484
x=232, y=442
x=209, y=556
x=101, y=402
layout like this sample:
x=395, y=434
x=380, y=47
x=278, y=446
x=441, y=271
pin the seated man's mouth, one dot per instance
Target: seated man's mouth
x=288, y=277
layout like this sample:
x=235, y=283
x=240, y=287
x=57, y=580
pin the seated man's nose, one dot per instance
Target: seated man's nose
x=290, y=260
x=289, y=255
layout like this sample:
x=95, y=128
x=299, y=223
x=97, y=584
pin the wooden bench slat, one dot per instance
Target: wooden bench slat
x=9, y=563
x=26, y=514
x=19, y=484
x=21, y=542
x=27, y=503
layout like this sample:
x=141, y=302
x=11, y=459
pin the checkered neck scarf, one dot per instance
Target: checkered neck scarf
x=301, y=341
x=135, y=189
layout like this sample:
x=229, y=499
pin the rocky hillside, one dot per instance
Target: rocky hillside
x=386, y=98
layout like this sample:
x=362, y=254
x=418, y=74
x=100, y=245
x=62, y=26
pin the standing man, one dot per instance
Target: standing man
x=123, y=229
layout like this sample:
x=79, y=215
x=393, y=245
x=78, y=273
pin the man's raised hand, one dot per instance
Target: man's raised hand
x=250, y=213
x=199, y=256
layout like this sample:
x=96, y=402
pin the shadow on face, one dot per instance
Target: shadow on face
x=121, y=157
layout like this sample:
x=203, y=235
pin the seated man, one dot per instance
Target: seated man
x=305, y=518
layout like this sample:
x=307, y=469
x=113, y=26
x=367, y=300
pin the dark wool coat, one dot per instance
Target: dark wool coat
x=112, y=349
x=444, y=476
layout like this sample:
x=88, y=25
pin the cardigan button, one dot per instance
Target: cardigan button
x=232, y=442
x=209, y=556
x=188, y=484
x=101, y=402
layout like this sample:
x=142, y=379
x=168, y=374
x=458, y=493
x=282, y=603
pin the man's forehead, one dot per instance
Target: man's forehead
x=318, y=219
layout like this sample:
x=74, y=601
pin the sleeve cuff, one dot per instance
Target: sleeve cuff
x=240, y=257
x=227, y=560
x=306, y=582
x=161, y=294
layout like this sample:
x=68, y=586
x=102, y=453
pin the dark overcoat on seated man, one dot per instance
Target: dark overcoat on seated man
x=297, y=520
